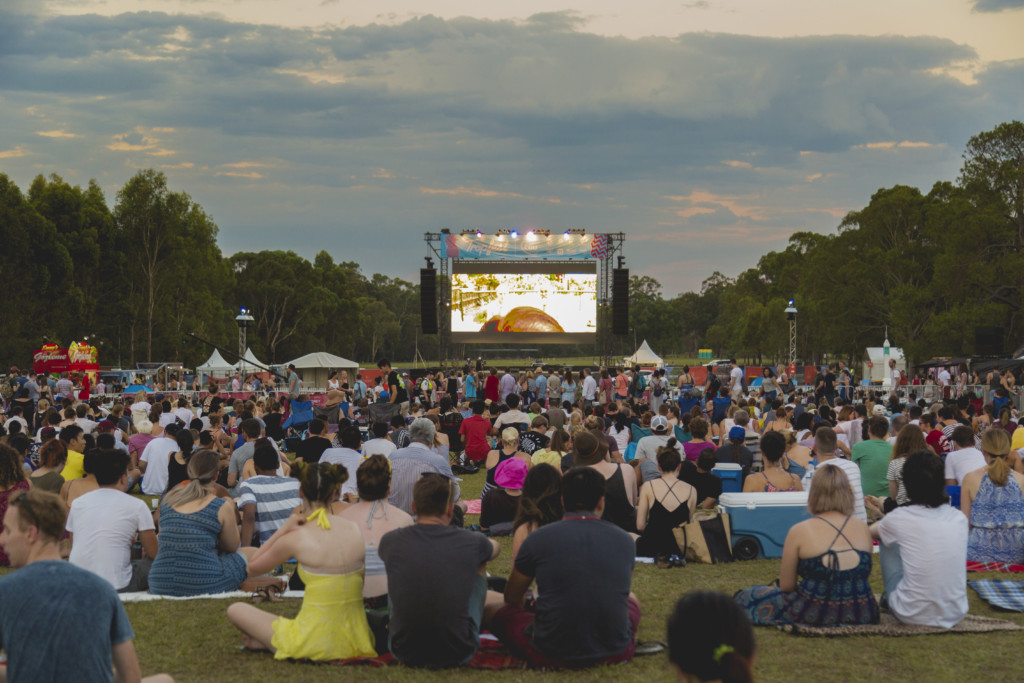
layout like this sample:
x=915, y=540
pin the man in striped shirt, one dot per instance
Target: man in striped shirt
x=266, y=500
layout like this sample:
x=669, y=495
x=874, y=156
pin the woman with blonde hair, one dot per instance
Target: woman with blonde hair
x=992, y=498
x=198, y=536
x=826, y=563
x=331, y=623
x=509, y=448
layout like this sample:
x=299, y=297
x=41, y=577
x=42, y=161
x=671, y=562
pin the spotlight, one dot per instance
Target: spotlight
x=515, y=234
x=479, y=234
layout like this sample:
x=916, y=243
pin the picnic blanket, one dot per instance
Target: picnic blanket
x=491, y=656
x=472, y=507
x=973, y=566
x=229, y=595
x=1002, y=593
x=889, y=626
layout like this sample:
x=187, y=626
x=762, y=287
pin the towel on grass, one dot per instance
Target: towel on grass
x=889, y=626
x=973, y=566
x=1002, y=593
x=233, y=595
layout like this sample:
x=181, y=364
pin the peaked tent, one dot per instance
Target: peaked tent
x=645, y=356
x=215, y=366
x=251, y=364
x=314, y=368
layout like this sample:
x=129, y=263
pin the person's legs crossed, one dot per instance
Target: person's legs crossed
x=256, y=625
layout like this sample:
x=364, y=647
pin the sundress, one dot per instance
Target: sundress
x=824, y=596
x=997, y=523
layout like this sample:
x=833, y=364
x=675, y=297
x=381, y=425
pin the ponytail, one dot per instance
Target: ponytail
x=734, y=669
x=999, y=470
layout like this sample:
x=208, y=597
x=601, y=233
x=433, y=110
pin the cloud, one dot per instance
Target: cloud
x=55, y=134
x=997, y=5
x=556, y=126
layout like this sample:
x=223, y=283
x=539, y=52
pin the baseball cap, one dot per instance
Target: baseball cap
x=878, y=410
x=737, y=433
x=511, y=474
x=659, y=423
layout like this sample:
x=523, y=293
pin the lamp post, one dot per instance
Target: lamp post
x=791, y=317
x=244, y=318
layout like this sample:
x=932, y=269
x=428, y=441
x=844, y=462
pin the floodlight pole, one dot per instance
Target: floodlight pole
x=791, y=316
x=243, y=319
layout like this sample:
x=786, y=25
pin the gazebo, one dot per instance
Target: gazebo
x=314, y=368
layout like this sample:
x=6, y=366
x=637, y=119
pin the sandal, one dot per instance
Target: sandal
x=269, y=593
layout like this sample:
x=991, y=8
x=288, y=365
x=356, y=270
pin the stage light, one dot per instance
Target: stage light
x=479, y=234
x=470, y=232
x=531, y=236
x=515, y=234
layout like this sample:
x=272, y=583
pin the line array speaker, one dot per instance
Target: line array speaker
x=428, y=300
x=620, y=301
x=988, y=341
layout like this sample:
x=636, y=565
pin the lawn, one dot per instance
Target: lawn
x=194, y=642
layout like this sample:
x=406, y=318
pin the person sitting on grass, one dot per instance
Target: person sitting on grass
x=331, y=623
x=104, y=523
x=774, y=478
x=993, y=500
x=665, y=503
x=710, y=639
x=265, y=500
x=576, y=623
x=437, y=584
x=375, y=517
x=198, y=536
x=923, y=549
x=499, y=506
x=826, y=562
x=94, y=638
x=540, y=504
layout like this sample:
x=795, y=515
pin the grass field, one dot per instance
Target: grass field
x=194, y=641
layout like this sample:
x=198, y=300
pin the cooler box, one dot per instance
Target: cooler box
x=760, y=521
x=954, y=496
x=731, y=474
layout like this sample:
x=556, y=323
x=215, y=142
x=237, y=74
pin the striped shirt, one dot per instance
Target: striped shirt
x=852, y=473
x=274, y=497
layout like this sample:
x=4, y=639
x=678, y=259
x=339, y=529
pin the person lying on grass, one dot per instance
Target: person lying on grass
x=576, y=623
x=331, y=623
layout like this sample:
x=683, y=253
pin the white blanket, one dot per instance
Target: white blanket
x=232, y=595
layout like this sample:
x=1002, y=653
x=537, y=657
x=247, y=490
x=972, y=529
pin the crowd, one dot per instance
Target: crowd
x=585, y=471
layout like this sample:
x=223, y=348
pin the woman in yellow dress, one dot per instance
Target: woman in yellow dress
x=331, y=623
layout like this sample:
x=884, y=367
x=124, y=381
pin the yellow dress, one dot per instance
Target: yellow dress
x=331, y=623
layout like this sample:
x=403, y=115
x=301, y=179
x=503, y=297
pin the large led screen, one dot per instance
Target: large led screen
x=523, y=306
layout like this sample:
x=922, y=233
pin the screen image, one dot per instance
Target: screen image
x=524, y=303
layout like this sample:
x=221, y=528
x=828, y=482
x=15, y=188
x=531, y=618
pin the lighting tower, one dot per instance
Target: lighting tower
x=244, y=318
x=791, y=317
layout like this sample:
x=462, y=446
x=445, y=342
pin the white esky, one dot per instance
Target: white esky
x=994, y=35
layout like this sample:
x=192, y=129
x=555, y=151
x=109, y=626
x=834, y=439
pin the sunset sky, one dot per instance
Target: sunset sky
x=708, y=131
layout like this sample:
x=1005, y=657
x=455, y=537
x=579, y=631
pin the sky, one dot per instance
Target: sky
x=707, y=131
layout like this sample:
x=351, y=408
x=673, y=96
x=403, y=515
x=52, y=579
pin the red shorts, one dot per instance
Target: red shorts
x=510, y=624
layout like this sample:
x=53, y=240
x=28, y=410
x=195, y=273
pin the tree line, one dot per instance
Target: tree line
x=136, y=277
x=925, y=267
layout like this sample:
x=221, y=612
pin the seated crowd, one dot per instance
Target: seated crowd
x=584, y=475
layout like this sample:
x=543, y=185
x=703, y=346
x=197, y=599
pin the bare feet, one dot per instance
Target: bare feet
x=250, y=643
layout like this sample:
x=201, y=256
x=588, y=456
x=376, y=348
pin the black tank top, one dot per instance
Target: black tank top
x=617, y=508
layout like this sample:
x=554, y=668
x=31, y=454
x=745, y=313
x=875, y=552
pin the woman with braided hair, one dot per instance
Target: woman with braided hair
x=331, y=623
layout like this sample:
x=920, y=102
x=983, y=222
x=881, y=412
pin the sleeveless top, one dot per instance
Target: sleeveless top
x=657, y=538
x=502, y=457
x=374, y=565
x=997, y=523
x=617, y=508
x=769, y=487
x=176, y=473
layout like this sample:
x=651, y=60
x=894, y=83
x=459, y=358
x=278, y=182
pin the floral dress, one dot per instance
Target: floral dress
x=997, y=523
x=825, y=595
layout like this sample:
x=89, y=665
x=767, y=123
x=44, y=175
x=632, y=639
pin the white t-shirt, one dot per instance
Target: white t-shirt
x=933, y=548
x=185, y=415
x=142, y=405
x=87, y=425
x=378, y=447
x=156, y=455
x=348, y=458
x=737, y=379
x=513, y=418
x=589, y=389
x=647, y=447
x=960, y=462
x=944, y=377
x=167, y=419
x=105, y=522
x=853, y=474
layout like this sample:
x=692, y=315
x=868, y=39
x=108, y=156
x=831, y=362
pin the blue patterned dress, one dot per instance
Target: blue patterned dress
x=823, y=597
x=189, y=561
x=997, y=523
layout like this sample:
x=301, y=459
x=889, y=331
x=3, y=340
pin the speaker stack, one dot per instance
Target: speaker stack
x=620, y=301
x=428, y=300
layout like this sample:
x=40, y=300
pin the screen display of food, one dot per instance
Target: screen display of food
x=539, y=306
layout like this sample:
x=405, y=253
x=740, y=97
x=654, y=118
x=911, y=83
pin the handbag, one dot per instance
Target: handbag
x=602, y=397
x=705, y=538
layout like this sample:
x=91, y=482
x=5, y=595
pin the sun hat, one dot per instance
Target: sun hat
x=511, y=474
x=334, y=397
x=659, y=423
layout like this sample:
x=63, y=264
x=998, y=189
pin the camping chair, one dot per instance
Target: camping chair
x=301, y=414
x=450, y=424
x=638, y=433
x=383, y=412
x=328, y=415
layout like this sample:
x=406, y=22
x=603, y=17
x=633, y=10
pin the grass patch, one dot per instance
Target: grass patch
x=194, y=641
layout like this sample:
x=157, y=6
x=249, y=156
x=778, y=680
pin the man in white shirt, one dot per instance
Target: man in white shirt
x=380, y=444
x=81, y=411
x=923, y=550
x=825, y=448
x=513, y=418
x=964, y=458
x=154, y=460
x=103, y=524
x=589, y=389
x=647, y=447
x=167, y=417
x=348, y=456
x=944, y=377
x=736, y=380
x=183, y=412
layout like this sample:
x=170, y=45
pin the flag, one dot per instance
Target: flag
x=599, y=247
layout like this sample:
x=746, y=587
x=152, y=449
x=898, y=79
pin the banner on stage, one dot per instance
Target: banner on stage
x=525, y=245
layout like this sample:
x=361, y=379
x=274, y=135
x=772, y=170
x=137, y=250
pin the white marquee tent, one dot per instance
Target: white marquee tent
x=251, y=364
x=215, y=366
x=314, y=368
x=645, y=356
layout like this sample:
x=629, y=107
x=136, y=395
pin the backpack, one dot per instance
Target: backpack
x=638, y=385
x=659, y=390
x=715, y=385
